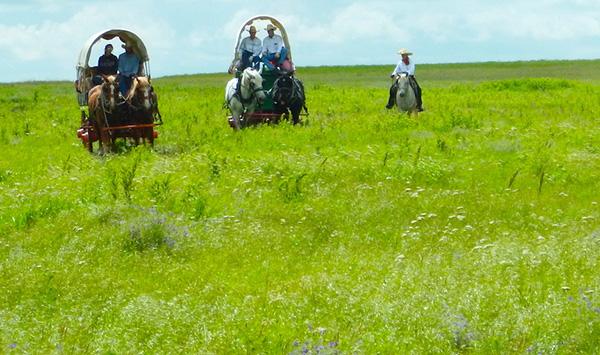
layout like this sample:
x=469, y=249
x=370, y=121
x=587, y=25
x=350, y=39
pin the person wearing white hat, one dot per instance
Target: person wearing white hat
x=250, y=49
x=273, y=48
x=405, y=65
x=129, y=66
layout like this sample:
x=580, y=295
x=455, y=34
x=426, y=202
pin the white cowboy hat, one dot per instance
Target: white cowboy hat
x=404, y=51
x=270, y=27
x=252, y=29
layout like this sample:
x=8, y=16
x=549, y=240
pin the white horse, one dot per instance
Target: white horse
x=242, y=95
x=406, y=100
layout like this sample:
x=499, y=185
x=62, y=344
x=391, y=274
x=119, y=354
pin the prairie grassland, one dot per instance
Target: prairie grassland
x=472, y=229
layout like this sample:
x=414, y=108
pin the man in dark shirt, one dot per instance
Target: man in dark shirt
x=107, y=64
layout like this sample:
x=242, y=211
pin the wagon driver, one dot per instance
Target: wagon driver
x=273, y=49
x=129, y=66
x=405, y=65
x=107, y=64
x=250, y=50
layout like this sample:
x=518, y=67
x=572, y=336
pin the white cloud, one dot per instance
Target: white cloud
x=186, y=36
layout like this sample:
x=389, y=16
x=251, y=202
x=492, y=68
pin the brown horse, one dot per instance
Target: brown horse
x=143, y=108
x=102, y=105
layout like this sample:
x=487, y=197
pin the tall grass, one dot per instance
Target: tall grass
x=473, y=229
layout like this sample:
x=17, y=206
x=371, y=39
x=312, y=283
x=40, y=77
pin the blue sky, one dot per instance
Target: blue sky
x=41, y=39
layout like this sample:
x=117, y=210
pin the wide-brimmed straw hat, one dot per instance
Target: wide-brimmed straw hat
x=252, y=29
x=127, y=45
x=404, y=51
x=270, y=27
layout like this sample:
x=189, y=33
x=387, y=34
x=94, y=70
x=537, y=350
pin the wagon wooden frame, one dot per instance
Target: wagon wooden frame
x=87, y=132
x=263, y=113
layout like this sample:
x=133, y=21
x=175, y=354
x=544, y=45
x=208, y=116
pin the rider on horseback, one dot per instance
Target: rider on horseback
x=405, y=66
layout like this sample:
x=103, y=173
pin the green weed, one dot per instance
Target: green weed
x=472, y=229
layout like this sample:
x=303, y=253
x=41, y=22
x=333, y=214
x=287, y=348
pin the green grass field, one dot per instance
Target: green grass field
x=470, y=230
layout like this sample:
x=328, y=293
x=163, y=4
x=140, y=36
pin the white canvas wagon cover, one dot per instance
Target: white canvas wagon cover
x=261, y=19
x=124, y=35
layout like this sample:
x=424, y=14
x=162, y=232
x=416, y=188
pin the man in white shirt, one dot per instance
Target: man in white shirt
x=250, y=49
x=405, y=65
x=273, y=49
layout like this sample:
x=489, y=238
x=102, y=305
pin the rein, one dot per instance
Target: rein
x=400, y=77
x=296, y=93
x=131, y=91
x=104, y=100
x=295, y=90
x=238, y=93
x=138, y=104
x=103, y=103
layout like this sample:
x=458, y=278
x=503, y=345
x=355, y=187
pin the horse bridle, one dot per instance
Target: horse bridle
x=105, y=98
x=252, y=89
x=145, y=97
x=400, y=76
x=153, y=103
x=292, y=90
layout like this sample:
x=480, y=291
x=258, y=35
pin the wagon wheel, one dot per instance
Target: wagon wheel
x=89, y=146
x=86, y=121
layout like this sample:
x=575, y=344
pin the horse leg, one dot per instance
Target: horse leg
x=107, y=142
x=98, y=116
x=237, y=110
x=296, y=114
x=96, y=127
x=278, y=111
x=138, y=134
x=103, y=141
x=236, y=121
x=282, y=110
x=104, y=136
x=148, y=132
x=143, y=133
x=150, y=136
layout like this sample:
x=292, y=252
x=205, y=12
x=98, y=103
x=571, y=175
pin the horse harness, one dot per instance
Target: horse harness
x=238, y=93
x=103, y=99
x=137, y=104
x=411, y=81
x=297, y=92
